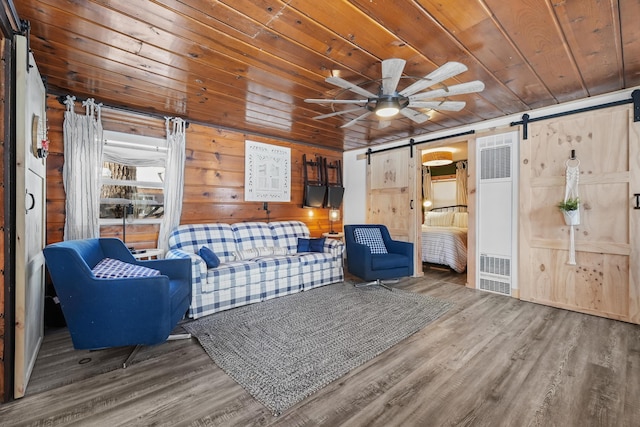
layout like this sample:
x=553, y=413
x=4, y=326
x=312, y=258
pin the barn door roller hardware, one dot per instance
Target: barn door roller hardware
x=635, y=99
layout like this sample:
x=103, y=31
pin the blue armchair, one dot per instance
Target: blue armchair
x=373, y=256
x=114, y=312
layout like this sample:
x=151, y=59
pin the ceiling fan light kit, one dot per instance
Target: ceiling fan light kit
x=437, y=158
x=389, y=102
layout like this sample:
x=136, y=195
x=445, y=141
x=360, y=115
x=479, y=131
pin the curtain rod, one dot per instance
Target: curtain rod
x=62, y=98
x=635, y=99
x=413, y=142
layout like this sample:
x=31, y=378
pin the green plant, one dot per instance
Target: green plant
x=571, y=204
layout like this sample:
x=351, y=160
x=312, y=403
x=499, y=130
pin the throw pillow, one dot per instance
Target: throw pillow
x=272, y=250
x=209, y=257
x=310, y=245
x=372, y=238
x=110, y=268
x=246, y=254
x=316, y=245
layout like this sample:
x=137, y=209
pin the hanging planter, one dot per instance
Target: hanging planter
x=571, y=210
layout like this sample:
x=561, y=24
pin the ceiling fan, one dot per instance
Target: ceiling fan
x=388, y=102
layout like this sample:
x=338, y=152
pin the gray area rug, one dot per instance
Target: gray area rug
x=285, y=349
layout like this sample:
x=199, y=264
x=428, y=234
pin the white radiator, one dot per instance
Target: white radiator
x=497, y=210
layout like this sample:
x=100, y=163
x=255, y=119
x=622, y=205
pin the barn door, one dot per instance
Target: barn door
x=30, y=214
x=605, y=280
x=391, y=195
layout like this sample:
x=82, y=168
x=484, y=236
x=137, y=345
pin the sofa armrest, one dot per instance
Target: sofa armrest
x=198, y=267
x=334, y=247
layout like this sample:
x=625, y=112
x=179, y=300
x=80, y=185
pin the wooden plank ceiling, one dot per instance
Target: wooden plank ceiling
x=249, y=65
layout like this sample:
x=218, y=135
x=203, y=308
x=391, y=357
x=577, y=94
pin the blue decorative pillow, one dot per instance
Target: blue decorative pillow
x=310, y=245
x=209, y=257
x=110, y=268
x=372, y=238
x=316, y=245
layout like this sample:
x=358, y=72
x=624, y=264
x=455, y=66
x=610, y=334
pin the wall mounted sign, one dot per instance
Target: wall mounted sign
x=267, y=172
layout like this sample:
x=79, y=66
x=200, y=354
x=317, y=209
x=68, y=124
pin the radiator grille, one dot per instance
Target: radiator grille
x=495, y=163
x=495, y=265
x=495, y=286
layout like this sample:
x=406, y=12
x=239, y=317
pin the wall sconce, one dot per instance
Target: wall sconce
x=334, y=215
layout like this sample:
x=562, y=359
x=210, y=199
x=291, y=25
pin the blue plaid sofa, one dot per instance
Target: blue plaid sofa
x=239, y=280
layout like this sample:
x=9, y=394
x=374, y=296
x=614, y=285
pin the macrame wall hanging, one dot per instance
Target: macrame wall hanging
x=571, y=205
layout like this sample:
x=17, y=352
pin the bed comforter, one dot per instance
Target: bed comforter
x=445, y=246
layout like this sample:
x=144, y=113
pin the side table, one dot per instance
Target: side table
x=147, y=253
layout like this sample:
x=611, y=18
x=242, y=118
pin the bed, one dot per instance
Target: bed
x=444, y=237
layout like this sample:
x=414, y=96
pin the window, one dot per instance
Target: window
x=132, y=175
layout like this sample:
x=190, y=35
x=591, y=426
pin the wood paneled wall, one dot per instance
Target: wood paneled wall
x=214, y=177
x=3, y=218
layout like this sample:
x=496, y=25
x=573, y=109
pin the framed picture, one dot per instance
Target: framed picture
x=267, y=172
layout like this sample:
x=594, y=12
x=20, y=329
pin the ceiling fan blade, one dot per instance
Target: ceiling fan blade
x=446, y=71
x=346, y=125
x=349, y=86
x=414, y=115
x=439, y=105
x=461, y=89
x=336, y=101
x=337, y=113
x=391, y=73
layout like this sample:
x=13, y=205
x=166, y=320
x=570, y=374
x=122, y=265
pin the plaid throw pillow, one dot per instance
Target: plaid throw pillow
x=110, y=268
x=372, y=238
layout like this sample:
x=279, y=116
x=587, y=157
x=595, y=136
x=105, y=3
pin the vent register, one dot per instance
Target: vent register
x=495, y=165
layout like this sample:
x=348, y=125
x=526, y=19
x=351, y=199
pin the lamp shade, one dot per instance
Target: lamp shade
x=387, y=108
x=437, y=158
x=334, y=214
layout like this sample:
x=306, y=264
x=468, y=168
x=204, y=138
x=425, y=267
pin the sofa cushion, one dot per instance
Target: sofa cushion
x=110, y=268
x=251, y=235
x=310, y=258
x=209, y=257
x=371, y=237
x=217, y=237
x=232, y=274
x=286, y=233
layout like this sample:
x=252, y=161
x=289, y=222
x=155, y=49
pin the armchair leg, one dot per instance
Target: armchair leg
x=131, y=356
x=377, y=282
x=135, y=350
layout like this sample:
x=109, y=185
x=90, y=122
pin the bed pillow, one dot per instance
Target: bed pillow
x=110, y=268
x=372, y=238
x=209, y=257
x=461, y=219
x=439, y=219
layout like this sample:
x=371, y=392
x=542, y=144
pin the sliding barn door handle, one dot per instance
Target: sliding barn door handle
x=411, y=204
x=33, y=201
x=637, y=196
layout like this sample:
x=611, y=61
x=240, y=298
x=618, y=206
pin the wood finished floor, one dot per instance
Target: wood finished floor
x=490, y=361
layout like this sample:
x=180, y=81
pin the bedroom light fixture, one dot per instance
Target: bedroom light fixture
x=437, y=158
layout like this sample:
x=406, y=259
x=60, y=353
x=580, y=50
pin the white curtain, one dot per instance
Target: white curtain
x=461, y=183
x=427, y=191
x=173, y=179
x=82, y=170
